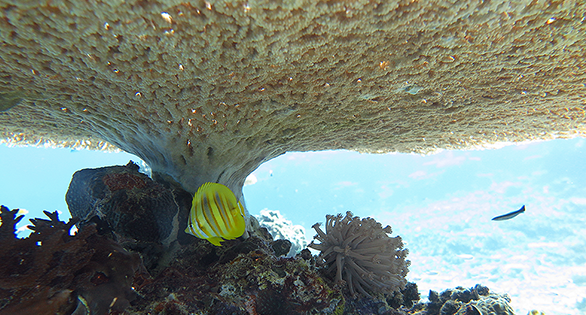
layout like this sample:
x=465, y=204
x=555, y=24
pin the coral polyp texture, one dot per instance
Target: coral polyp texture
x=360, y=252
x=205, y=91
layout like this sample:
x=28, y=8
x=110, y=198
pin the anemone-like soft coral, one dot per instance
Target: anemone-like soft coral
x=362, y=253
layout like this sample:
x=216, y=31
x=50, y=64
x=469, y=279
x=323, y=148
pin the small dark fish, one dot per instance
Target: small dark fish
x=509, y=215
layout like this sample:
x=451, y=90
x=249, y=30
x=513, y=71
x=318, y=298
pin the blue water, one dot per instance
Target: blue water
x=440, y=204
x=307, y=186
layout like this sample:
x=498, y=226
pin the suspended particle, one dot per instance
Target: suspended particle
x=167, y=17
x=448, y=59
x=383, y=65
x=412, y=89
x=107, y=26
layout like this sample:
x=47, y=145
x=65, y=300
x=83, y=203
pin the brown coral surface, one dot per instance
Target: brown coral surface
x=207, y=91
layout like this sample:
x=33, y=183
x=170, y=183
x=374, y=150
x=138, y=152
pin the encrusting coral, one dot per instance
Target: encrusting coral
x=477, y=300
x=206, y=91
x=360, y=252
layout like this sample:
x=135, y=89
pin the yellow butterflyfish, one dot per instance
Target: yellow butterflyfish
x=215, y=214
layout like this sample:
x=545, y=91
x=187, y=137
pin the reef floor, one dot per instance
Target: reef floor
x=130, y=255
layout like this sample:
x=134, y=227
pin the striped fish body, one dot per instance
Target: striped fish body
x=215, y=214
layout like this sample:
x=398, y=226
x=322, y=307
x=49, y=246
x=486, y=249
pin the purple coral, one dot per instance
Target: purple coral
x=362, y=254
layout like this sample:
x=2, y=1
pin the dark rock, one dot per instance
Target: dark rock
x=481, y=290
x=129, y=203
x=450, y=307
x=463, y=295
x=406, y=297
x=410, y=294
x=281, y=247
x=463, y=301
x=305, y=254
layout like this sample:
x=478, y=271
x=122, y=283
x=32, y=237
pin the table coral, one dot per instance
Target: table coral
x=206, y=91
x=360, y=252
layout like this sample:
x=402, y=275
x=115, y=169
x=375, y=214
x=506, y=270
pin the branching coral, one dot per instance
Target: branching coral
x=362, y=254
